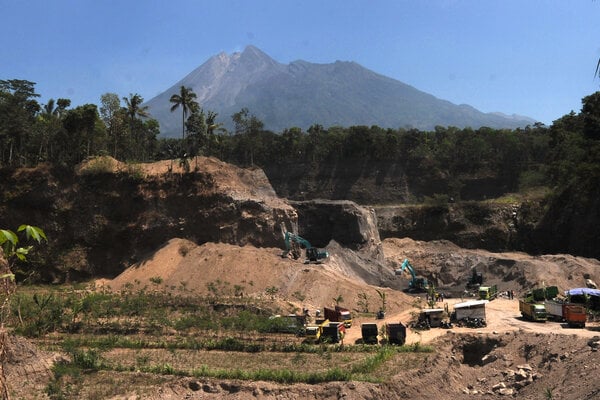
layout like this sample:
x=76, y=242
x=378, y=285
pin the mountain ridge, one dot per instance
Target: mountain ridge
x=301, y=93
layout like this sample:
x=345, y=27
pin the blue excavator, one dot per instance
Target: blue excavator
x=294, y=244
x=416, y=284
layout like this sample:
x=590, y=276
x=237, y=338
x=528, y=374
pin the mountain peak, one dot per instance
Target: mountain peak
x=253, y=54
x=302, y=93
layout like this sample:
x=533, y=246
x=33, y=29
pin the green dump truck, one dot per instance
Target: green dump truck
x=533, y=311
x=488, y=292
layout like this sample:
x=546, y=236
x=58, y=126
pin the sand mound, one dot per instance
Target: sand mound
x=229, y=270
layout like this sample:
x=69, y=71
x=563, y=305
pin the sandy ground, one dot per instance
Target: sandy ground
x=253, y=270
x=563, y=360
x=503, y=316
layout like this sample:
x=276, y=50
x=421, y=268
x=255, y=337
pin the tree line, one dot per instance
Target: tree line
x=31, y=133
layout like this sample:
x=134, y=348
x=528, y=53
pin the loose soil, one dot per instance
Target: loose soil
x=466, y=362
x=510, y=357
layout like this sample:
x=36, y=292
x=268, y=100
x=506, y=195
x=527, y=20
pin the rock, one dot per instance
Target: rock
x=519, y=385
x=525, y=367
x=506, y=391
x=499, y=386
x=194, y=385
x=521, y=375
x=594, y=342
x=488, y=358
x=591, y=284
x=210, y=388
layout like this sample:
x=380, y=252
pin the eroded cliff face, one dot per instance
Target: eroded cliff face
x=484, y=225
x=369, y=182
x=106, y=215
x=102, y=220
x=345, y=222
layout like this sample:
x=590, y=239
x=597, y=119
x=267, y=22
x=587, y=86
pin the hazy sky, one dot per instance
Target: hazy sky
x=529, y=57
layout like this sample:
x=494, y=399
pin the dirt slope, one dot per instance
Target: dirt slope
x=249, y=271
x=449, y=266
x=528, y=360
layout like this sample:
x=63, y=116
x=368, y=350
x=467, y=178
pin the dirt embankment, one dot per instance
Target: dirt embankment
x=510, y=357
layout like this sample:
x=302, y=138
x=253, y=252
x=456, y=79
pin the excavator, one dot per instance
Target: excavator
x=293, y=245
x=416, y=284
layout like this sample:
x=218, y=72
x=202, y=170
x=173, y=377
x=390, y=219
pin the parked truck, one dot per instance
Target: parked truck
x=541, y=294
x=339, y=314
x=574, y=314
x=395, y=333
x=369, y=333
x=533, y=311
x=488, y=292
x=333, y=332
x=314, y=331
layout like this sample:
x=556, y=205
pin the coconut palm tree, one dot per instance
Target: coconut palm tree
x=133, y=105
x=134, y=110
x=185, y=99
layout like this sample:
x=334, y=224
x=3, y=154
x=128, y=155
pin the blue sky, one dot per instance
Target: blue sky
x=528, y=57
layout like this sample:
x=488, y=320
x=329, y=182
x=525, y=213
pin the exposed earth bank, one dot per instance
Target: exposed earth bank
x=220, y=227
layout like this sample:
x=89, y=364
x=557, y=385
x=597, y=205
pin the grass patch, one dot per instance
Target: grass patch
x=113, y=336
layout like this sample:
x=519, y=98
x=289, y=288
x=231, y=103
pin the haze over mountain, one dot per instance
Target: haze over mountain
x=301, y=94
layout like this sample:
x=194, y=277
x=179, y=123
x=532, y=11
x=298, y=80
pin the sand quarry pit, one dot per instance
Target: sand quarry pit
x=249, y=271
x=510, y=357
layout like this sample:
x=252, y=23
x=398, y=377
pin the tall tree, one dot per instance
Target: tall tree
x=248, y=126
x=109, y=112
x=135, y=111
x=49, y=124
x=83, y=136
x=185, y=99
x=18, y=109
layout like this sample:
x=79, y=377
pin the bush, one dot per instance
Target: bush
x=99, y=165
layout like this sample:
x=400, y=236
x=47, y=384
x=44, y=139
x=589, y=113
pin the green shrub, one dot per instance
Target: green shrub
x=99, y=165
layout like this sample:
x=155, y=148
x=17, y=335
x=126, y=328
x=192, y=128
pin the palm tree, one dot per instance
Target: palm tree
x=185, y=99
x=134, y=110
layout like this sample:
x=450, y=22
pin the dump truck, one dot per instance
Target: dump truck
x=488, y=292
x=313, y=332
x=333, y=332
x=554, y=310
x=369, y=333
x=574, y=314
x=533, y=311
x=541, y=294
x=395, y=333
x=338, y=314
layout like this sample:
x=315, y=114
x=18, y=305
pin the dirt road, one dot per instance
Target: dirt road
x=503, y=315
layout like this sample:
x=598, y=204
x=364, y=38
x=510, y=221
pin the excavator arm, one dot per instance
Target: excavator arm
x=293, y=245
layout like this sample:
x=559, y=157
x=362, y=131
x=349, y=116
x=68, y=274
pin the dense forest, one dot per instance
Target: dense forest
x=560, y=156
